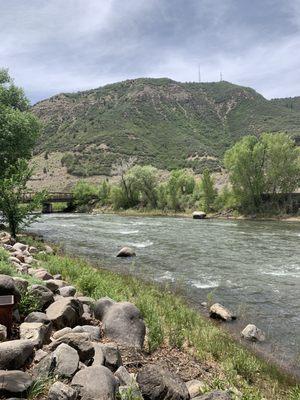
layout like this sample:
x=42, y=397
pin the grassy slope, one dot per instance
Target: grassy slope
x=159, y=121
x=170, y=321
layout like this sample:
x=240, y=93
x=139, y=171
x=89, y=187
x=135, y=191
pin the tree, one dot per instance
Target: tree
x=18, y=127
x=83, y=193
x=180, y=185
x=145, y=180
x=127, y=195
x=13, y=193
x=208, y=193
x=265, y=165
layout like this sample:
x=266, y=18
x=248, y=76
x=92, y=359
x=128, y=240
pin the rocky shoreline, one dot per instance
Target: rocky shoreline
x=82, y=348
x=76, y=343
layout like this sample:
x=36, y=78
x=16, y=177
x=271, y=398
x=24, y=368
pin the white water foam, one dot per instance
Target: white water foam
x=205, y=285
x=128, y=232
x=141, y=245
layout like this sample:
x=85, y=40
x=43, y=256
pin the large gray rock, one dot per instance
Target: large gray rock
x=65, y=312
x=217, y=311
x=60, y=391
x=101, y=306
x=7, y=287
x=80, y=342
x=99, y=354
x=37, y=316
x=195, y=387
x=124, y=376
x=19, y=247
x=42, y=274
x=66, y=360
x=122, y=322
x=15, y=353
x=44, y=295
x=112, y=356
x=14, y=381
x=157, y=384
x=37, y=332
x=55, y=284
x=93, y=331
x=199, y=215
x=215, y=395
x=97, y=383
x=67, y=291
x=126, y=252
x=21, y=284
x=252, y=333
x=62, y=332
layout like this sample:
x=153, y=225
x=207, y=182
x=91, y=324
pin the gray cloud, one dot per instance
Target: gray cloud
x=52, y=46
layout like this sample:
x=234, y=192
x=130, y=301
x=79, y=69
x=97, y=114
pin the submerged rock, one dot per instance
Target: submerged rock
x=251, y=332
x=126, y=252
x=217, y=311
x=199, y=215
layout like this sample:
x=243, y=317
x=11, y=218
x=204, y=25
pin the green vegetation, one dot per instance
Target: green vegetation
x=173, y=323
x=18, y=133
x=167, y=124
x=266, y=165
x=262, y=172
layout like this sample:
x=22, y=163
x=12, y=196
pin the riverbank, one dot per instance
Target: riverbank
x=176, y=333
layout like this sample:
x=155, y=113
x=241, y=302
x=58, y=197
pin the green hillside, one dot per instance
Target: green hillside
x=159, y=121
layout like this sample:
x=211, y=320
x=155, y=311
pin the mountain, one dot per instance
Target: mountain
x=158, y=121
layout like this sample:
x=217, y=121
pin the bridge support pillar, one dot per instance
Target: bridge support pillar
x=47, y=208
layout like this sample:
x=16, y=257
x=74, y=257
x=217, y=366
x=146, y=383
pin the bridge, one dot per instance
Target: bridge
x=52, y=197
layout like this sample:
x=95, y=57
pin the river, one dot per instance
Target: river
x=251, y=267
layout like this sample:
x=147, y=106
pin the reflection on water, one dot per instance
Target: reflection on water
x=249, y=266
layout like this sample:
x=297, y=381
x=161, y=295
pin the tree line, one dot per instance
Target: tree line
x=256, y=166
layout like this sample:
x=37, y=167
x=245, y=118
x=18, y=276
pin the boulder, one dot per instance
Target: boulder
x=55, y=284
x=99, y=354
x=93, y=331
x=66, y=360
x=21, y=284
x=44, y=368
x=32, y=250
x=217, y=311
x=157, y=383
x=195, y=387
x=3, y=333
x=37, y=332
x=80, y=342
x=14, y=381
x=57, y=277
x=37, y=316
x=86, y=300
x=19, y=247
x=29, y=260
x=43, y=295
x=20, y=256
x=215, y=395
x=60, y=391
x=14, y=260
x=251, y=332
x=123, y=376
x=65, y=312
x=97, y=383
x=199, y=215
x=101, y=306
x=62, y=332
x=15, y=353
x=48, y=249
x=39, y=355
x=67, y=291
x=126, y=252
x=112, y=357
x=7, y=287
x=42, y=274
x=122, y=322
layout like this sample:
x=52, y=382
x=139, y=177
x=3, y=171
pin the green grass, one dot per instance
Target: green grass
x=171, y=321
x=161, y=122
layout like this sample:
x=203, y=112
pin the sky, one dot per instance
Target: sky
x=54, y=46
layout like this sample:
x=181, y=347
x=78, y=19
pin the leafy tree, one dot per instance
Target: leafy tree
x=104, y=192
x=84, y=193
x=180, y=185
x=208, y=193
x=18, y=127
x=145, y=180
x=268, y=164
x=127, y=193
x=13, y=192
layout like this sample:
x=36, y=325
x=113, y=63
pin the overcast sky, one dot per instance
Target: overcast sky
x=52, y=46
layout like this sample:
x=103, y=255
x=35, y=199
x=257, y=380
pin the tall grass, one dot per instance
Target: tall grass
x=171, y=321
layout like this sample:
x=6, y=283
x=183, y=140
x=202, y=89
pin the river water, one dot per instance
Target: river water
x=251, y=267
